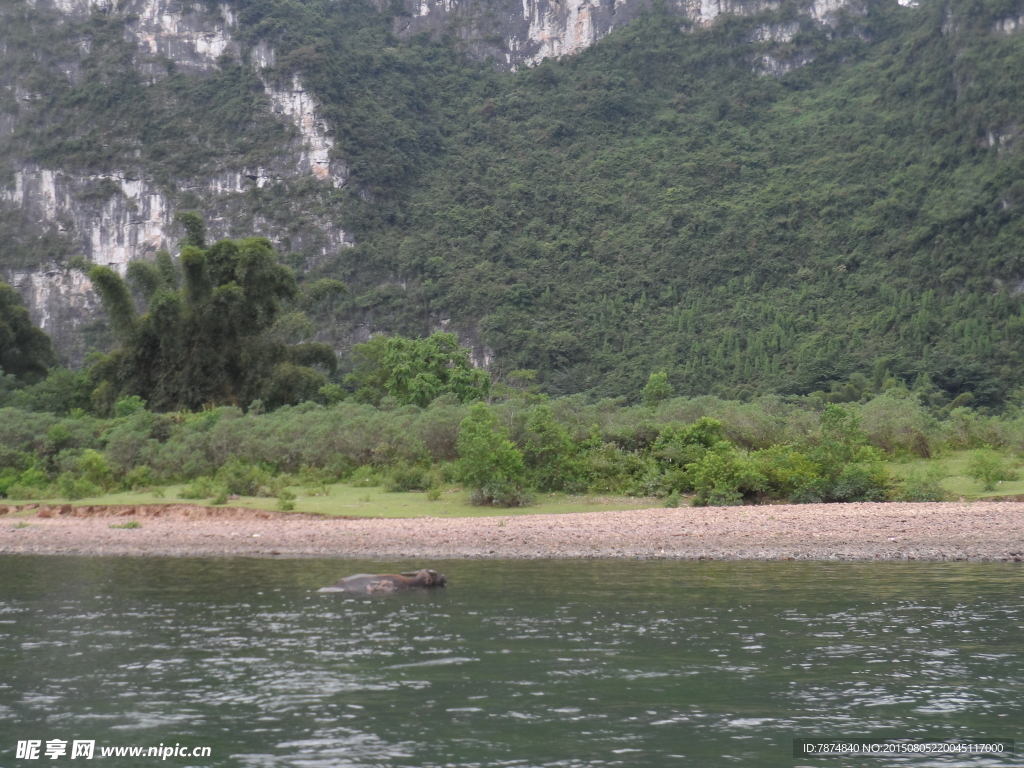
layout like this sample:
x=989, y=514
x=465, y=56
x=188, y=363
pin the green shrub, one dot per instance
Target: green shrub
x=503, y=496
x=922, y=486
x=33, y=477
x=8, y=477
x=489, y=463
x=894, y=421
x=408, y=478
x=316, y=480
x=364, y=477
x=679, y=446
x=92, y=467
x=201, y=488
x=244, y=479
x=139, y=478
x=607, y=468
x=126, y=406
x=24, y=492
x=285, y=500
x=724, y=476
x=549, y=453
x=854, y=482
x=672, y=500
x=988, y=468
x=72, y=487
x=131, y=524
x=434, y=494
x=658, y=388
x=786, y=471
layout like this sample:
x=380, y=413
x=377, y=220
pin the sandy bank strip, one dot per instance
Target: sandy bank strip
x=979, y=531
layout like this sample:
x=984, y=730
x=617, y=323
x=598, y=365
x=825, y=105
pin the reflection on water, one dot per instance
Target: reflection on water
x=514, y=664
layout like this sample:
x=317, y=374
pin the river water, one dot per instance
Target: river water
x=516, y=663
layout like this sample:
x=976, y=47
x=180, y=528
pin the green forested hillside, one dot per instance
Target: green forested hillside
x=654, y=203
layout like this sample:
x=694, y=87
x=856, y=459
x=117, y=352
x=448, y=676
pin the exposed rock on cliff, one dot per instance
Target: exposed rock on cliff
x=530, y=31
x=115, y=217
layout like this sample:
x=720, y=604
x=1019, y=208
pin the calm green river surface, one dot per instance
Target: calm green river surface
x=547, y=663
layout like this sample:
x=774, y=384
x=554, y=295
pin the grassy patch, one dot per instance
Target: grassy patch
x=344, y=500
x=953, y=468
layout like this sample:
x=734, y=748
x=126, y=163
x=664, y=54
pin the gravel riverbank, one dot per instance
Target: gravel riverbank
x=977, y=531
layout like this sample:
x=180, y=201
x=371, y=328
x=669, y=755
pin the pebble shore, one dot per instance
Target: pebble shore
x=978, y=531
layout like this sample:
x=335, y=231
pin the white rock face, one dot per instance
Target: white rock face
x=560, y=29
x=774, y=33
x=1009, y=25
x=706, y=11
x=75, y=8
x=188, y=38
x=776, y=67
x=299, y=106
x=534, y=30
x=131, y=223
x=58, y=299
x=120, y=217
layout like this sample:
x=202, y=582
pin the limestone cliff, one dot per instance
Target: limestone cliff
x=126, y=214
x=525, y=32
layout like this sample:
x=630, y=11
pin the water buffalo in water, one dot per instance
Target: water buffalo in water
x=383, y=584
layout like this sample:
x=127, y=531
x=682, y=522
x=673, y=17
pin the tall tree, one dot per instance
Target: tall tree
x=212, y=340
x=25, y=351
x=416, y=371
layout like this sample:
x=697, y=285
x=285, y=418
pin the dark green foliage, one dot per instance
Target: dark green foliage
x=550, y=456
x=725, y=476
x=211, y=341
x=657, y=389
x=61, y=392
x=722, y=452
x=110, y=117
x=202, y=488
x=922, y=487
x=415, y=371
x=244, y=479
x=650, y=204
x=195, y=229
x=654, y=204
x=408, y=478
x=489, y=463
x=25, y=351
x=988, y=468
x=285, y=500
x=841, y=462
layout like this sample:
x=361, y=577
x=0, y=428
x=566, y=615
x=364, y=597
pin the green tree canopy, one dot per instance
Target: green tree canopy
x=25, y=351
x=214, y=339
x=658, y=388
x=416, y=371
x=489, y=463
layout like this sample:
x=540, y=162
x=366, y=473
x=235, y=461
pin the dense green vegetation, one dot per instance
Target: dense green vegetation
x=25, y=351
x=221, y=337
x=414, y=371
x=711, y=450
x=697, y=280
x=652, y=204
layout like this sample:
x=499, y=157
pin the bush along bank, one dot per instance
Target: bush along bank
x=716, y=451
